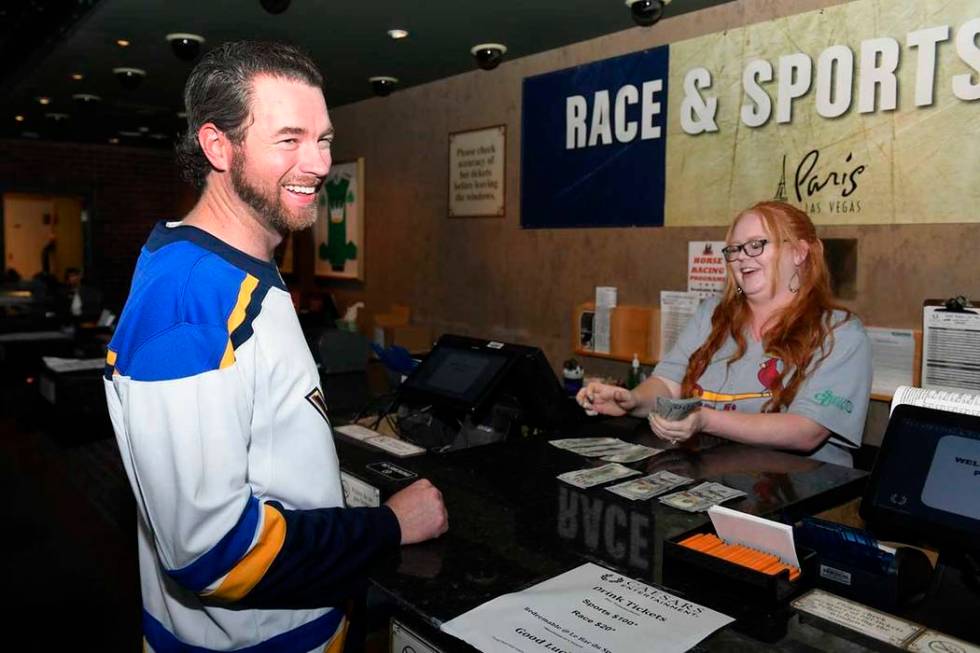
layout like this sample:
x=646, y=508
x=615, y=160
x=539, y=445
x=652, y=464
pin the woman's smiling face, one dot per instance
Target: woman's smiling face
x=765, y=276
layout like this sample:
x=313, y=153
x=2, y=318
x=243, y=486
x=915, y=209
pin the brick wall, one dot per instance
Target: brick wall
x=127, y=190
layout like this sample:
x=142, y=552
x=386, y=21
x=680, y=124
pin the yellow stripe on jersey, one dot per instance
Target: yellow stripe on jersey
x=249, y=284
x=110, y=357
x=250, y=570
x=336, y=643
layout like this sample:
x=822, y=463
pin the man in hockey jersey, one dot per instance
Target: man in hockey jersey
x=214, y=396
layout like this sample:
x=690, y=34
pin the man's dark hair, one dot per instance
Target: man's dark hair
x=219, y=91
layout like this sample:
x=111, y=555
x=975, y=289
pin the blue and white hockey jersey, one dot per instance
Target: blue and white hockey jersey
x=244, y=543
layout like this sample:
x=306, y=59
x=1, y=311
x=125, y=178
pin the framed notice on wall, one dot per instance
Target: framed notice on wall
x=476, y=173
x=338, y=235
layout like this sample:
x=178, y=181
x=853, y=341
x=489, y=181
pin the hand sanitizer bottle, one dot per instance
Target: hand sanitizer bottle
x=633, y=379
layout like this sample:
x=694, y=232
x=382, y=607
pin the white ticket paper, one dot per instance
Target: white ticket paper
x=587, y=609
x=394, y=446
x=857, y=617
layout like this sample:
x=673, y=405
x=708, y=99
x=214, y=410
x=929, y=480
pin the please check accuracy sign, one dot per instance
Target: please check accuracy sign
x=589, y=609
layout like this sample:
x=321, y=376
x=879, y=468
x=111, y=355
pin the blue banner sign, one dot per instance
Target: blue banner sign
x=593, y=144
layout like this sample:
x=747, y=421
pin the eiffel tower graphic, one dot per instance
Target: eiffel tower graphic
x=781, y=189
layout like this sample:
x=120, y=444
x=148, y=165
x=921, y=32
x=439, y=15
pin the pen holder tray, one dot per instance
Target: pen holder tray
x=729, y=587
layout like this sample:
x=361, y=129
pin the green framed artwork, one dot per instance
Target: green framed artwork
x=338, y=235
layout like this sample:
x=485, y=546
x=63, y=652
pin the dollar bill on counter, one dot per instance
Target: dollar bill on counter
x=676, y=409
x=601, y=451
x=631, y=454
x=585, y=478
x=571, y=444
x=702, y=497
x=647, y=487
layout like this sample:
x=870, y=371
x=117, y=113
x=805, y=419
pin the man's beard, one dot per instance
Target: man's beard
x=268, y=206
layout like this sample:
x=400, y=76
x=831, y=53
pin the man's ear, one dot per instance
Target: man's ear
x=216, y=146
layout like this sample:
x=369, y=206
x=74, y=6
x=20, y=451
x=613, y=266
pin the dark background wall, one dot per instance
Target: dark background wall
x=125, y=190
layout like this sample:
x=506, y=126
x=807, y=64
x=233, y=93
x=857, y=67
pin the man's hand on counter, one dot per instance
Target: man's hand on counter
x=420, y=511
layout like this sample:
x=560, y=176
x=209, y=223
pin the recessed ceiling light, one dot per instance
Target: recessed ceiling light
x=43, y=99
x=114, y=140
x=77, y=76
x=57, y=117
x=86, y=97
x=398, y=33
x=19, y=118
x=122, y=43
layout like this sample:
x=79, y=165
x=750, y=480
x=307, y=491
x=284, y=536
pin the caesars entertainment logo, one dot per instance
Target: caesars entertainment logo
x=627, y=592
x=820, y=186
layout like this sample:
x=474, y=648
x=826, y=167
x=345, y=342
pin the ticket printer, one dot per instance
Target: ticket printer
x=925, y=490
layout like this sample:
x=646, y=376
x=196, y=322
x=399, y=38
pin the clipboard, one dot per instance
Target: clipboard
x=950, y=344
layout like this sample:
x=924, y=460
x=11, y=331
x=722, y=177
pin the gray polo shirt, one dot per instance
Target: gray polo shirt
x=834, y=394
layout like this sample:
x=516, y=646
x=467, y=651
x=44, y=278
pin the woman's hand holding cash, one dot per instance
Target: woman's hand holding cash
x=676, y=420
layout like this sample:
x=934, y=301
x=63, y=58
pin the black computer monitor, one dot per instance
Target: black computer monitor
x=925, y=485
x=469, y=375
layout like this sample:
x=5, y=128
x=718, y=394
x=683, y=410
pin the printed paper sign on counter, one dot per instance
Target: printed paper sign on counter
x=589, y=608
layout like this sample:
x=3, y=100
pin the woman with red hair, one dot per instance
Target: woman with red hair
x=775, y=361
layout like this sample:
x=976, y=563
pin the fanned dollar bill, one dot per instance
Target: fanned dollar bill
x=702, y=497
x=647, y=487
x=594, y=447
x=631, y=454
x=573, y=444
x=585, y=478
x=676, y=409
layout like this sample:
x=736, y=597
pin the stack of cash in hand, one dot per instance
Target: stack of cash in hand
x=611, y=450
x=675, y=410
x=647, y=487
x=702, y=497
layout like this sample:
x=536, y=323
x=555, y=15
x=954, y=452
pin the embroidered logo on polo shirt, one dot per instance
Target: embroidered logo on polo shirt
x=315, y=397
x=828, y=398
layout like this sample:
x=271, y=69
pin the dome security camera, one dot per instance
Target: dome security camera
x=382, y=85
x=129, y=78
x=488, y=55
x=86, y=103
x=646, y=12
x=186, y=47
x=274, y=6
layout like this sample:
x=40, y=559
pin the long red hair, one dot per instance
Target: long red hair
x=798, y=331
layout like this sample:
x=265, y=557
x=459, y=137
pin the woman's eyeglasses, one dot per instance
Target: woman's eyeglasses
x=751, y=248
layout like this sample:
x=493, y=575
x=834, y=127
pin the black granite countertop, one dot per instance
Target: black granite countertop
x=513, y=524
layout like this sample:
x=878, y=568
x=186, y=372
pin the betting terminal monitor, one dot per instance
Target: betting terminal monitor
x=925, y=485
x=468, y=376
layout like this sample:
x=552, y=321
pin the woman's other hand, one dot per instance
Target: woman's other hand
x=601, y=399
